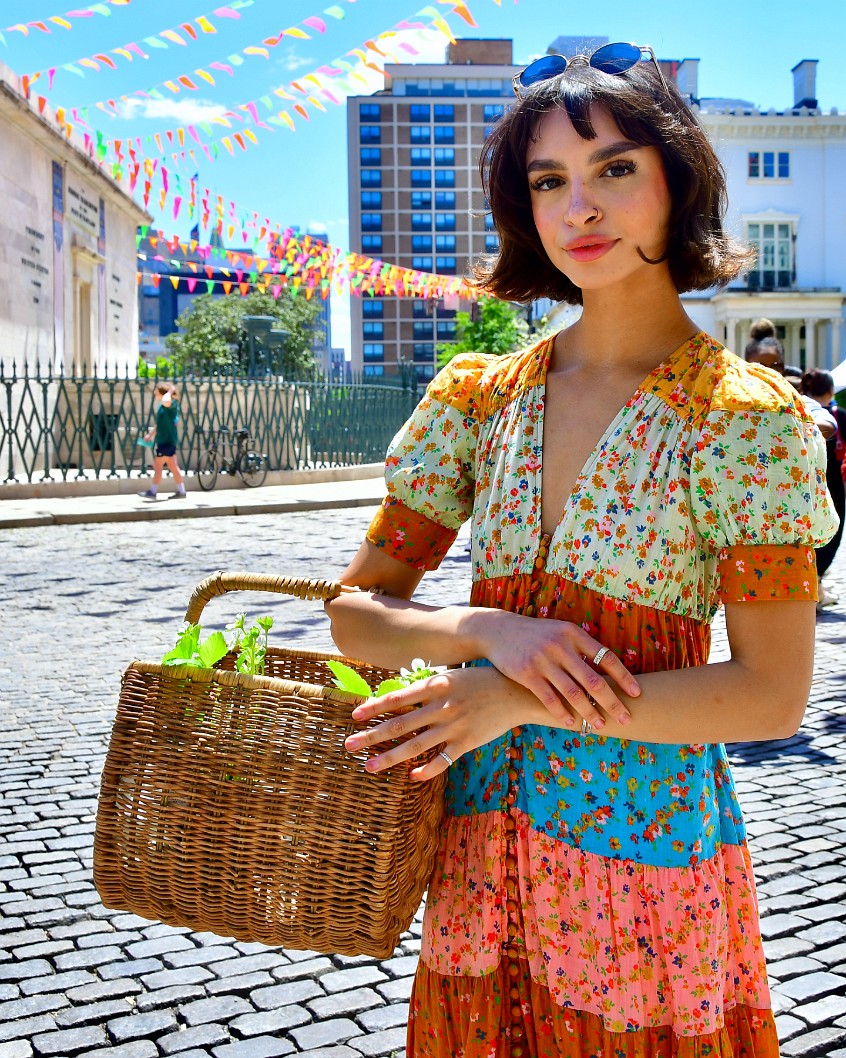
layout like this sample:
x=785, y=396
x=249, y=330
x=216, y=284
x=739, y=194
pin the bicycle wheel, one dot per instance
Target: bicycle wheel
x=253, y=469
x=207, y=471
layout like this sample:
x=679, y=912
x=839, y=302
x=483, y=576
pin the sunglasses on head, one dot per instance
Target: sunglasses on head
x=610, y=58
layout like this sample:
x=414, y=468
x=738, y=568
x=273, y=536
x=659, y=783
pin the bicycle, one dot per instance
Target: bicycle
x=250, y=465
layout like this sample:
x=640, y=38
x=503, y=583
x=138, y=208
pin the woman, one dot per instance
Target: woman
x=592, y=893
x=819, y=385
x=165, y=437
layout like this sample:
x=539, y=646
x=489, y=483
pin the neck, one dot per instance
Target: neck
x=627, y=330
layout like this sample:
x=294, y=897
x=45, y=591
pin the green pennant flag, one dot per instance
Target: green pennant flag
x=209, y=286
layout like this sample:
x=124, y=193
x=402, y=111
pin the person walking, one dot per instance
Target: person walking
x=592, y=891
x=819, y=385
x=165, y=437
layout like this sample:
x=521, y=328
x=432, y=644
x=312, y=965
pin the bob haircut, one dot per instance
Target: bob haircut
x=699, y=253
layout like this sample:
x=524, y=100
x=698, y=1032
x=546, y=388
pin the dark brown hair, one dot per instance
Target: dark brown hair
x=699, y=253
x=816, y=382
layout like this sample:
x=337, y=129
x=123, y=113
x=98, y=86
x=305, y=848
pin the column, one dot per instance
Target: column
x=731, y=336
x=810, y=343
x=836, y=327
x=793, y=343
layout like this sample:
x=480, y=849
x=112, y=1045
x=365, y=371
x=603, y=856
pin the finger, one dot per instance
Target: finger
x=422, y=744
x=551, y=698
x=611, y=665
x=432, y=768
x=582, y=703
x=388, y=703
x=396, y=727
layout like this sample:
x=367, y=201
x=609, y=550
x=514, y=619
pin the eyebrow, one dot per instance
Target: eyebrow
x=602, y=155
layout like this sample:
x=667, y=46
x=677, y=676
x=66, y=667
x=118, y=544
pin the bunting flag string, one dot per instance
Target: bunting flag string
x=299, y=262
x=63, y=21
x=192, y=30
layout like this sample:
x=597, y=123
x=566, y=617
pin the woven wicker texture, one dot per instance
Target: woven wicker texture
x=229, y=804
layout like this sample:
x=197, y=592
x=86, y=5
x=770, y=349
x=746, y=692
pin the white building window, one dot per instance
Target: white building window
x=774, y=243
x=769, y=165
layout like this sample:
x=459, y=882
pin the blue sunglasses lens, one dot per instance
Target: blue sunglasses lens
x=542, y=69
x=615, y=58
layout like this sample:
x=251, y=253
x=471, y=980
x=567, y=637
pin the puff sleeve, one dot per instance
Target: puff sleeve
x=430, y=469
x=758, y=491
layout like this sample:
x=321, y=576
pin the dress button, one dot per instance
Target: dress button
x=514, y=993
x=517, y=732
x=529, y=611
x=518, y=1033
x=510, y=863
x=513, y=969
x=509, y=824
x=517, y=1051
x=511, y=906
x=516, y=1012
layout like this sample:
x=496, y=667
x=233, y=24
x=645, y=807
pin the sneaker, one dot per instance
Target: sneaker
x=148, y=495
x=827, y=598
x=177, y=496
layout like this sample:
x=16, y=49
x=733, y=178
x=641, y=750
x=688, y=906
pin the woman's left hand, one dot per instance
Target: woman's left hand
x=456, y=711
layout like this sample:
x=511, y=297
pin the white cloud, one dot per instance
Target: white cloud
x=291, y=62
x=185, y=111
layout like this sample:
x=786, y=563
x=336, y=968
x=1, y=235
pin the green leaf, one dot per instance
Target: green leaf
x=213, y=650
x=186, y=645
x=386, y=686
x=348, y=679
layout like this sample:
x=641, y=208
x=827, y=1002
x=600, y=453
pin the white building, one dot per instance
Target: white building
x=787, y=197
x=67, y=250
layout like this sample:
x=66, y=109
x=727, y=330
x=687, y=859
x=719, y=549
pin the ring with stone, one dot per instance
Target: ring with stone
x=447, y=758
x=600, y=654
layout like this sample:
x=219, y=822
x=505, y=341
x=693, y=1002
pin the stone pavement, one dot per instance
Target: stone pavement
x=79, y=601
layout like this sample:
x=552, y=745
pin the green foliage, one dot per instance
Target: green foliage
x=349, y=680
x=191, y=652
x=498, y=328
x=162, y=368
x=251, y=644
x=213, y=337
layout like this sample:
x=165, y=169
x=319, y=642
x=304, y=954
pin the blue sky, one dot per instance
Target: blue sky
x=299, y=178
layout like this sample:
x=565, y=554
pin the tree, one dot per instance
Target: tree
x=495, y=327
x=214, y=338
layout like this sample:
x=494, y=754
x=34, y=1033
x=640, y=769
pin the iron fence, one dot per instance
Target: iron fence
x=55, y=427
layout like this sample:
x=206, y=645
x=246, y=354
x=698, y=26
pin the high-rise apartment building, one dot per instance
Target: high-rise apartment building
x=415, y=196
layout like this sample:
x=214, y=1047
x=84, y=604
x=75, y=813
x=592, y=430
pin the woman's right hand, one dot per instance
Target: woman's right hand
x=554, y=660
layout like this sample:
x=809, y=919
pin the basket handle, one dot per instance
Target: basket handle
x=222, y=582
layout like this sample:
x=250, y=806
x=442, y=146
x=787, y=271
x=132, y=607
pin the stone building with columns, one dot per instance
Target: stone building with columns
x=787, y=198
x=67, y=250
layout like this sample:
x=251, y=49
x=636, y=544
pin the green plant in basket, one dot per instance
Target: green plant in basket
x=347, y=679
x=251, y=644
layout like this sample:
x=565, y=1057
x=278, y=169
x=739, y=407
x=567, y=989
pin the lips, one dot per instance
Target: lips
x=589, y=247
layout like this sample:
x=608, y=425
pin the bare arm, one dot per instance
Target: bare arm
x=761, y=693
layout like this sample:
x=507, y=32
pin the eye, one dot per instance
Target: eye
x=620, y=168
x=546, y=183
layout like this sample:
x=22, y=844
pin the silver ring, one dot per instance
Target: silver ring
x=600, y=654
x=586, y=728
x=447, y=758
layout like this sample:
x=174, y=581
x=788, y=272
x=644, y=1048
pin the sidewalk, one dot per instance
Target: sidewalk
x=307, y=493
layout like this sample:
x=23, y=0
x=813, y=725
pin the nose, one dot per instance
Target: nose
x=580, y=209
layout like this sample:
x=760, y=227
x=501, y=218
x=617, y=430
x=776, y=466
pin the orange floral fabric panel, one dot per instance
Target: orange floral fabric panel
x=409, y=537
x=767, y=572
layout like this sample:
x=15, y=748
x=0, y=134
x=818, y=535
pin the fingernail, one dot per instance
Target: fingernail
x=599, y=724
x=625, y=718
x=372, y=765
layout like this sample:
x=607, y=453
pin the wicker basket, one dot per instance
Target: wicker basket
x=228, y=803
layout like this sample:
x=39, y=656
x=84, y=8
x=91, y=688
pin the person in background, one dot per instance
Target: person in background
x=819, y=385
x=165, y=435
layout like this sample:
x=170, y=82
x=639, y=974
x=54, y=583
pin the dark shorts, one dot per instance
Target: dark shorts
x=165, y=450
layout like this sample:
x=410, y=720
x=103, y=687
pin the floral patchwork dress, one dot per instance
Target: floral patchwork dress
x=593, y=897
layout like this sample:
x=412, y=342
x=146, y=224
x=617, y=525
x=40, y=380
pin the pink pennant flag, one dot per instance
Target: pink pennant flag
x=315, y=23
x=226, y=12
x=177, y=202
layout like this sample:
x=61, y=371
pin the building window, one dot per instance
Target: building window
x=493, y=111
x=371, y=199
x=444, y=112
x=420, y=112
x=371, y=177
x=373, y=329
x=424, y=371
x=445, y=265
x=423, y=350
x=421, y=177
x=489, y=222
x=421, y=221
x=420, y=309
x=373, y=307
x=444, y=156
x=422, y=264
x=421, y=199
x=444, y=178
x=421, y=156
x=445, y=221
x=374, y=370
x=444, y=199
x=773, y=269
x=421, y=243
x=371, y=221
x=445, y=243
x=421, y=134
x=445, y=134
x=371, y=244
x=423, y=329
x=370, y=112
x=374, y=350
x=491, y=243
x=369, y=134
x=446, y=329
x=769, y=165
x=370, y=155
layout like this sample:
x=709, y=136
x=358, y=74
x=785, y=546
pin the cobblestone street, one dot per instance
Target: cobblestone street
x=80, y=601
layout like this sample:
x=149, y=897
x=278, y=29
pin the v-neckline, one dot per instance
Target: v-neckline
x=545, y=539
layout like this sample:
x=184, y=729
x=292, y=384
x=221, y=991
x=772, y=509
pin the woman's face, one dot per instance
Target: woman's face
x=596, y=202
